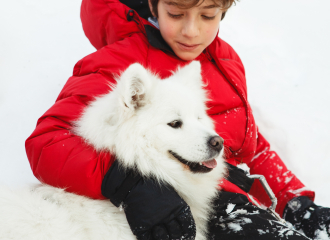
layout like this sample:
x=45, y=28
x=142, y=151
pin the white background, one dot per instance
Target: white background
x=284, y=46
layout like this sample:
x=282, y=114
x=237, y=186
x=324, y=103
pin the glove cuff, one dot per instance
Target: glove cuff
x=118, y=182
x=295, y=209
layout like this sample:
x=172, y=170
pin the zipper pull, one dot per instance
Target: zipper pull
x=130, y=16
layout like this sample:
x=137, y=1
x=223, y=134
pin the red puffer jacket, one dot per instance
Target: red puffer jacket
x=60, y=158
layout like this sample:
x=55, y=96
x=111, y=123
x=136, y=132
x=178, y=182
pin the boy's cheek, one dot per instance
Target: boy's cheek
x=211, y=34
x=168, y=34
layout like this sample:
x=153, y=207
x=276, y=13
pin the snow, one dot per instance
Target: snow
x=235, y=227
x=300, y=190
x=244, y=167
x=247, y=220
x=230, y=208
x=261, y=232
x=284, y=46
x=239, y=211
x=289, y=233
x=288, y=179
x=321, y=235
x=307, y=215
x=294, y=205
x=233, y=215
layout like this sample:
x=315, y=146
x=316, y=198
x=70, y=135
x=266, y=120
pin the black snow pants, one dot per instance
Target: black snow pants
x=236, y=218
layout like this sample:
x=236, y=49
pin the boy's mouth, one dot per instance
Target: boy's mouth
x=188, y=47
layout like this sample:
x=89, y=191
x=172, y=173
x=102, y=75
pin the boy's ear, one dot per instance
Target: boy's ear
x=151, y=8
x=134, y=87
x=223, y=15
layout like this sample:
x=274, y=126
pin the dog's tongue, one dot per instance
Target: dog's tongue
x=210, y=164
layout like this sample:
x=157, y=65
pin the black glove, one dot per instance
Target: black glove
x=304, y=215
x=152, y=211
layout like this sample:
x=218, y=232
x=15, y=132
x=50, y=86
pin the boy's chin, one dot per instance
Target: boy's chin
x=187, y=56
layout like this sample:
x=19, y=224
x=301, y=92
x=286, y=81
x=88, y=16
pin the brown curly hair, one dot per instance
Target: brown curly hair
x=186, y=4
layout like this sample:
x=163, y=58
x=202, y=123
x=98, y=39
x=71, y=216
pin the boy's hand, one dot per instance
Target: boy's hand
x=313, y=220
x=153, y=211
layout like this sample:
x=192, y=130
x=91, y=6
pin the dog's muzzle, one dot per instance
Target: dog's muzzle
x=196, y=167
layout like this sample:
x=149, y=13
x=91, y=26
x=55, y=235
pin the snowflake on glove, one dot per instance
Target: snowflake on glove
x=312, y=220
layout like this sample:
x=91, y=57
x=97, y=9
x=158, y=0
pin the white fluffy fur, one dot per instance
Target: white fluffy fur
x=46, y=213
x=132, y=122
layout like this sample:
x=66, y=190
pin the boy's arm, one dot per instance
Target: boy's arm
x=282, y=181
x=57, y=156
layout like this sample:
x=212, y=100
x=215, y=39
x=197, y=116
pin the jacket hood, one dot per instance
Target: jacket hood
x=106, y=21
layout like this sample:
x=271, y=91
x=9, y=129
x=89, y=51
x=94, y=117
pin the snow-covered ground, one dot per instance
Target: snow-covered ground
x=283, y=44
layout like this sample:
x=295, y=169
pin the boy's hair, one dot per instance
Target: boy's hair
x=186, y=4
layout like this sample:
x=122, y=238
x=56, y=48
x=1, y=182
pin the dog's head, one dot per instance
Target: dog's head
x=151, y=123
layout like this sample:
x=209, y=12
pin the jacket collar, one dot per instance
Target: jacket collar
x=156, y=40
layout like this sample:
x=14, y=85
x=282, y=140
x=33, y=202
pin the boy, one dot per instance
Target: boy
x=177, y=31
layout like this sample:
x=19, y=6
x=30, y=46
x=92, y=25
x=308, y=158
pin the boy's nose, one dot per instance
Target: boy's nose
x=190, y=29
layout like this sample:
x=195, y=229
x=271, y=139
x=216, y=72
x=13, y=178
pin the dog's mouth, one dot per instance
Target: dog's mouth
x=196, y=167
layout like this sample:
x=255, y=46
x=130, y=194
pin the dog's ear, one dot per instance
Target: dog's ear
x=101, y=117
x=190, y=75
x=134, y=87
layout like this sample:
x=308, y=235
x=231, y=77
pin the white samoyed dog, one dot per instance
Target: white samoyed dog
x=160, y=127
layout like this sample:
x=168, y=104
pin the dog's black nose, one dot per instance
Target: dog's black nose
x=216, y=143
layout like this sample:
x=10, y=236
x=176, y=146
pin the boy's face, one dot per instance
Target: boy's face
x=188, y=31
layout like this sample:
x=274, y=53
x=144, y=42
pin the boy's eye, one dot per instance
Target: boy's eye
x=174, y=15
x=208, y=18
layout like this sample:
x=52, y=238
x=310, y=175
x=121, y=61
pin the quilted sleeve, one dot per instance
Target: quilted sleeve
x=282, y=181
x=57, y=156
x=60, y=158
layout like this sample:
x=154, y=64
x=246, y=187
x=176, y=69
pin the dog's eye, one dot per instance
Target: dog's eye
x=175, y=124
